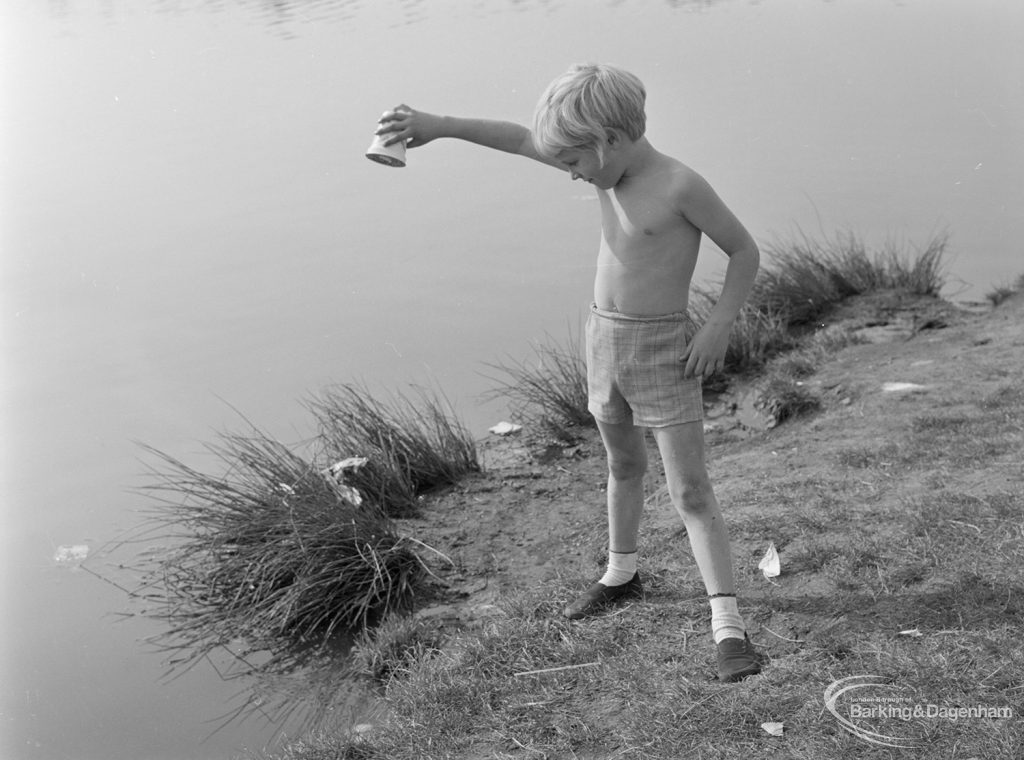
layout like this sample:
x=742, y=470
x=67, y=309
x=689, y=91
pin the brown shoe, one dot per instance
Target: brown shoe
x=599, y=596
x=737, y=659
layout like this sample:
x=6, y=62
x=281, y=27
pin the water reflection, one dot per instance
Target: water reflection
x=281, y=15
x=319, y=692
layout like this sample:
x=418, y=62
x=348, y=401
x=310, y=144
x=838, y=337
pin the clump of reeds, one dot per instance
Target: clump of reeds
x=275, y=551
x=411, y=446
x=803, y=278
x=548, y=392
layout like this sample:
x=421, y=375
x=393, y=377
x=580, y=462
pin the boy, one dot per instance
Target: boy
x=645, y=360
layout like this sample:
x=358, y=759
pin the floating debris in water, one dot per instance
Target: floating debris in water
x=71, y=554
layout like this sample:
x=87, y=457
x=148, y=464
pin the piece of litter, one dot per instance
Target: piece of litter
x=352, y=463
x=68, y=555
x=903, y=388
x=337, y=473
x=349, y=493
x=913, y=632
x=769, y=564
x=775, y=729
x=506, y=428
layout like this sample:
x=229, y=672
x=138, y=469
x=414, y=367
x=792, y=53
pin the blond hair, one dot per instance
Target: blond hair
x=578, y=108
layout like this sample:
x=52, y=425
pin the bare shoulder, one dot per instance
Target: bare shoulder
x=686, y=185
x=696, y=200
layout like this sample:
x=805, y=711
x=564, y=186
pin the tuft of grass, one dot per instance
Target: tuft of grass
x=804, y=278
x=1001, y=293
x=784, y=397
x=412, y=445
x=273, y=552
x=393, y=646
x=550, y=391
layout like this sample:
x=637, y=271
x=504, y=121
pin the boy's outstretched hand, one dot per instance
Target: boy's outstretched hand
x=706, y=353
x=404, y=123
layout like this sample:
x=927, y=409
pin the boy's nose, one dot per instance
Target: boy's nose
x=574, y=175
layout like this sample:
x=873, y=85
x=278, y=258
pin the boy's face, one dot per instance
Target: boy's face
x=584, y=164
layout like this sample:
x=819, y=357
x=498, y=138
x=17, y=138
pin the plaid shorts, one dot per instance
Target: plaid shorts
x=634, y=372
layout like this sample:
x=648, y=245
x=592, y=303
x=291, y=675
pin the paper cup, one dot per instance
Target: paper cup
x=389, y=155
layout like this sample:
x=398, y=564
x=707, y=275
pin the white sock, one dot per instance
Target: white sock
x=621, y=568
x=726, y=621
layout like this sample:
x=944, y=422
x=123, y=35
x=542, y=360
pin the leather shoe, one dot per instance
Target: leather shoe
x=737, y=659
x=599, y=596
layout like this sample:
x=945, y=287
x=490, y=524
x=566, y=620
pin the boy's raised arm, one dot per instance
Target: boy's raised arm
x=418, y=128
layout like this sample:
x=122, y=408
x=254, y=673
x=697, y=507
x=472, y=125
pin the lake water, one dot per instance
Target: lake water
x=189, y=228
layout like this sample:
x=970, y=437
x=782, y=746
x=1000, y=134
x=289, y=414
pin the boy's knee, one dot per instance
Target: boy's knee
x=693, y=494
x=627, y=466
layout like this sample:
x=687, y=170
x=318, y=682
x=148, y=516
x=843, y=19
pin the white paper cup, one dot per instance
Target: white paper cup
x=389, y=155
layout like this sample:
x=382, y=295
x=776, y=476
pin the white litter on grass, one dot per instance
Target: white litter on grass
x=337, y=472
x=775, y=729
x=70, y=555
x=912, y=632
x=903, y=388
x=770, y=564
x=505, y=428
x=352, y=463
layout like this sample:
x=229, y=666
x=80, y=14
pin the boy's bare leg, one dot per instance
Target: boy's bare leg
x=682, y=452
x=689, y=487
x=627, y=463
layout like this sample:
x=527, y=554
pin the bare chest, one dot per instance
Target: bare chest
x=638, y=230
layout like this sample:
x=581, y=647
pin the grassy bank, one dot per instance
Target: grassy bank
x=897, y=516
x=896, y=513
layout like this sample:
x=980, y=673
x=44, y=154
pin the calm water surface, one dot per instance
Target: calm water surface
x=189, y=226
